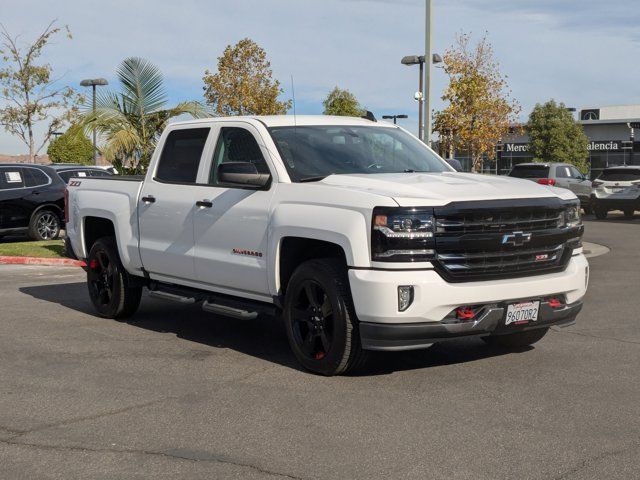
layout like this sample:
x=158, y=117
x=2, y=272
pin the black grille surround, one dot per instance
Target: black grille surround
x=498, y=239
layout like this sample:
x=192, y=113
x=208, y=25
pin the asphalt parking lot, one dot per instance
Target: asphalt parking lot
x=179, y=393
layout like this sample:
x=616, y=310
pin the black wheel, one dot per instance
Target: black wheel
x=44, y=225
x=516, y=340
x=109, y=284
x=601, y=213
x=629, y=213
x=587, y=209
x=320, y=319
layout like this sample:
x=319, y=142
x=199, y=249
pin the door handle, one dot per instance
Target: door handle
x=204, y=203
x=149, y=199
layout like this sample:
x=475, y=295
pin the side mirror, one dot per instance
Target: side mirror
x=242, y=174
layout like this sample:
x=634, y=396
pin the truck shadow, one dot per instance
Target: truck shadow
x=262, y=338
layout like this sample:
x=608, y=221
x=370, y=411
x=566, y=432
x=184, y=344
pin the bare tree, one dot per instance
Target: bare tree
x=29, y=93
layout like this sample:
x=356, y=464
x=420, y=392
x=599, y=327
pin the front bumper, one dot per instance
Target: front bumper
x=375, y=297
x=410, y=336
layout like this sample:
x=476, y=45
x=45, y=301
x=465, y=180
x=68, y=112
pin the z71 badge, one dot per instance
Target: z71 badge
x=74, y=183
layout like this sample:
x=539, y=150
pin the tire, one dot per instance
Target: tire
x=629, y=213
x=600, y=213
x=516, y=340
x=109, y=284
x=588, y=210
x=44, y=225
x=320, y=320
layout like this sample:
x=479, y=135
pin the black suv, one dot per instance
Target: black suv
x=32, y=197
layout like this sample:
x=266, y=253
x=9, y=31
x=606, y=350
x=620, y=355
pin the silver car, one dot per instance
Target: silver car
x=563, y=175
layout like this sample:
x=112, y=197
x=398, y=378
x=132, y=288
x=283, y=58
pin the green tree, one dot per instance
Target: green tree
x=71, y=147
x=29, y=92
x=130, y=121
x=480, y=110
x=342, y=103
x=554, y=135
x=244, y=84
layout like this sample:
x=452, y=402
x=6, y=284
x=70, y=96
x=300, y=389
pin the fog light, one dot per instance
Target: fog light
x=405, y=297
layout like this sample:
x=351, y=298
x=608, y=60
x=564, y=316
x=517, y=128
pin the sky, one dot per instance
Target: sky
x=581, y=52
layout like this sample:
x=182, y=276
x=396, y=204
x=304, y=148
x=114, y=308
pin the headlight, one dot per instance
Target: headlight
x=402, y=235
x=572, y=216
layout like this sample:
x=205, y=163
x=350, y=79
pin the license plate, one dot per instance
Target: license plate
x=523, y=312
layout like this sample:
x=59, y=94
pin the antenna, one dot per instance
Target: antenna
x=293, y=93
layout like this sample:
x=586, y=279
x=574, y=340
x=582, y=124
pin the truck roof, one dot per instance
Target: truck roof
x=291, y=120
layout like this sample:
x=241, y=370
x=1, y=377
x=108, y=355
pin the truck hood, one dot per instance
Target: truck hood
x=434, y=189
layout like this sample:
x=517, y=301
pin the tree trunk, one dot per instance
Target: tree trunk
x=32, y=156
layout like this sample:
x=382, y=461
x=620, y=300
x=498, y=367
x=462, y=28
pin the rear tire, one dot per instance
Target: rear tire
x=601, y=213
x=516, y=340
x=320, y=319
x=629, y=213
x=44, y=225
x=588, y=210
x=109, y=284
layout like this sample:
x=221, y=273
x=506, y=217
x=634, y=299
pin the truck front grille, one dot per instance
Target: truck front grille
x=476, y=241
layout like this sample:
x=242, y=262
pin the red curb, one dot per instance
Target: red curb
x=41, y=261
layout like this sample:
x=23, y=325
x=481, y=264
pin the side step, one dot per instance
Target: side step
x=172, y=296
x=228, y=311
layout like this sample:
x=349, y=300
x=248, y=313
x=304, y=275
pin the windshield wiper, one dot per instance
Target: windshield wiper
x=315, y=178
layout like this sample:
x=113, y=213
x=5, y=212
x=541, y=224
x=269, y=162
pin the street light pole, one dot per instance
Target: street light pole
x=93, y=83
x=426, y=93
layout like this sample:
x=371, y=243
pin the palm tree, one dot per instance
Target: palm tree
x=130, y=121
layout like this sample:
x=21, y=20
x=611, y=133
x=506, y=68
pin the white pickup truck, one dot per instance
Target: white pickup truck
x=356, y=232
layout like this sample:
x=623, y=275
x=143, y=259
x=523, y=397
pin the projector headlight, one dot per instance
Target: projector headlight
x=402, y=235
x=572, y=216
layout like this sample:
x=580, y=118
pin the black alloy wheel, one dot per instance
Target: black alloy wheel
x=320, y=319
x=111, y=289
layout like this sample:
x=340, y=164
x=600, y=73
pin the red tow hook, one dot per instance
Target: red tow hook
x=93, y=264
x=555, y=303
x=465, y=313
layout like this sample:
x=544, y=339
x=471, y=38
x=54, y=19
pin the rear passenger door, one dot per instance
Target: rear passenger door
x=13, y=209
x=167, y=204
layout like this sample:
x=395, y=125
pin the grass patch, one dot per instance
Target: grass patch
x=45, y=249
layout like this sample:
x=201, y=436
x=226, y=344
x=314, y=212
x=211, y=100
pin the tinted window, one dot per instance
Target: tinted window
x=11, y=178
x=325, y=150
x=34, y=177
x=530, y=171
x=575, y=173
x=620, y=175
x=181, y=155
x=99, y=173
x=67, y=174
x=563, y=172
x=236, y=145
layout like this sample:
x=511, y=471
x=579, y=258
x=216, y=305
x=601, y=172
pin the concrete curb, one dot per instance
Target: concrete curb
x=7, y=260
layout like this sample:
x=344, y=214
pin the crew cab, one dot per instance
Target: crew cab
x=359, y=234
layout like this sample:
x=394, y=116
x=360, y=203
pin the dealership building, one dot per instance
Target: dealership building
x=609, y=141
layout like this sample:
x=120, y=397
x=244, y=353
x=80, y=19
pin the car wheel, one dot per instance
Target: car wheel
x=629, y=213
x=587, y=209
x=320, y=320
x=516, y=340
x=109, y=284
x=601, y=213
x=44, y=225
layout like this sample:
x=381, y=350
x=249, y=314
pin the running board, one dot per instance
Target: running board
x=172, y=296
x=228, y=311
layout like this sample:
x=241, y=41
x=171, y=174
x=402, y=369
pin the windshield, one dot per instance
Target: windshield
x=312, y=153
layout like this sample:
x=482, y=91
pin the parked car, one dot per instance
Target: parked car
x=617, y=188
x=360, y=234
x=563, y=175
x=31, y=201
x=69, y=170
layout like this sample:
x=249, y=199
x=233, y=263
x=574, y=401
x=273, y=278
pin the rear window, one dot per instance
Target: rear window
x=34, y=177
x=620, y=175
x=530, y=171
x=181, y=155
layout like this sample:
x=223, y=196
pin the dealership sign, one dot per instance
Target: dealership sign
x=594, y=146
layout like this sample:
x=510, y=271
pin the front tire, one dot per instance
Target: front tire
x=44, y=225
x=320, y=320
x=516, y=340
x=629, y=213
x=109, y=284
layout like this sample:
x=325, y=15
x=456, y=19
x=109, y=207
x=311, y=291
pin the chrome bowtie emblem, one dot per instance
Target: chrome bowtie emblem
x=517, y=239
